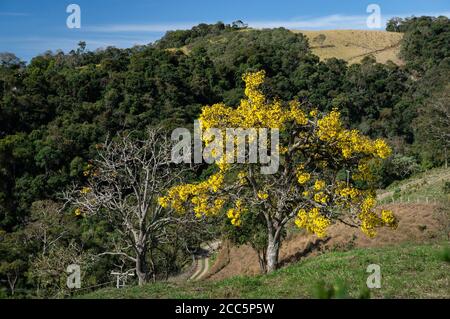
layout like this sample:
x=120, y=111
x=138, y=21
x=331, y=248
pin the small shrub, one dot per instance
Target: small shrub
x=323, y=290
x=364, y=292
x=422, y=227
x=320, y=39
x=398, y=167
x=446, y=187
x=397, y=193
x=445, y=254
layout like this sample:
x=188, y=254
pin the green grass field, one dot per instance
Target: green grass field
x=412, y=271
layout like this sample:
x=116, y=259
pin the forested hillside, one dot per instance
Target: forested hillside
x=57, y=109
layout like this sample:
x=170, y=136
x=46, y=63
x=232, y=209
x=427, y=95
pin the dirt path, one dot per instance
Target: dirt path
x=391, y=47
x=202, y=269
x=198, y=269
x=205, y=268
x=202, y=261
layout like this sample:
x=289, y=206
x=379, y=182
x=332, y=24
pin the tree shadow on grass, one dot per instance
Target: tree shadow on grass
x=311, y=247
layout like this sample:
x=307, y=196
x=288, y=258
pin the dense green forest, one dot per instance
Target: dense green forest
x=57, y=108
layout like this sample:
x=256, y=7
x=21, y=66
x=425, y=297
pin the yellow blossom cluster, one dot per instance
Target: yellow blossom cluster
x=388, y=218
x=370, y=220
x=350, y=142
x=313, y=221
x=263, y=195
x=347, y=192
x=363, y=173
x=320, y=197
x=202, y=205
x=297, y=114
x=87, y=170
x=254, y=111
x=381, y=148
x=85, y=190
x=234, y=214
x=303, y=177
x=242, y=177
x=197, y=195
x=319, y=185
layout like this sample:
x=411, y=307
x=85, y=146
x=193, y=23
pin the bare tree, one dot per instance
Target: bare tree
x=123, y=186
x=50, y=270
x=46, y=225
x=8, y=59
x=12, y=262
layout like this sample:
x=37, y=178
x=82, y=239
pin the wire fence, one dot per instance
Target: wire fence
x=404, y=199
x=94, y=286
x=64, y=292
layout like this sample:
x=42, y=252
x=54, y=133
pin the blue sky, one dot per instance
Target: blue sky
x=30, y=27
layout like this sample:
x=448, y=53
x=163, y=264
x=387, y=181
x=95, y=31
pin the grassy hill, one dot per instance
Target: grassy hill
x=349, y=45
x=353, y=45
x=425, y=187
x=414, y=271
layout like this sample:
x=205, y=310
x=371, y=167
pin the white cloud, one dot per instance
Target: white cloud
x=335, y=21
x=117, y=28
x=42, y=44
x=14, y=14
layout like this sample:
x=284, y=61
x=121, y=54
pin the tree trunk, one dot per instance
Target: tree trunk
x=446, y=157
x=273, y=248
x=153, y=269
x=141, y=266
x=12, y=283
x=262, y=261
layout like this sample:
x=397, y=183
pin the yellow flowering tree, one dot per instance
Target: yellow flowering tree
x=323, y=176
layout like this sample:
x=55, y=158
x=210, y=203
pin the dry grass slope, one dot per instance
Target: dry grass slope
x=353, y=45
